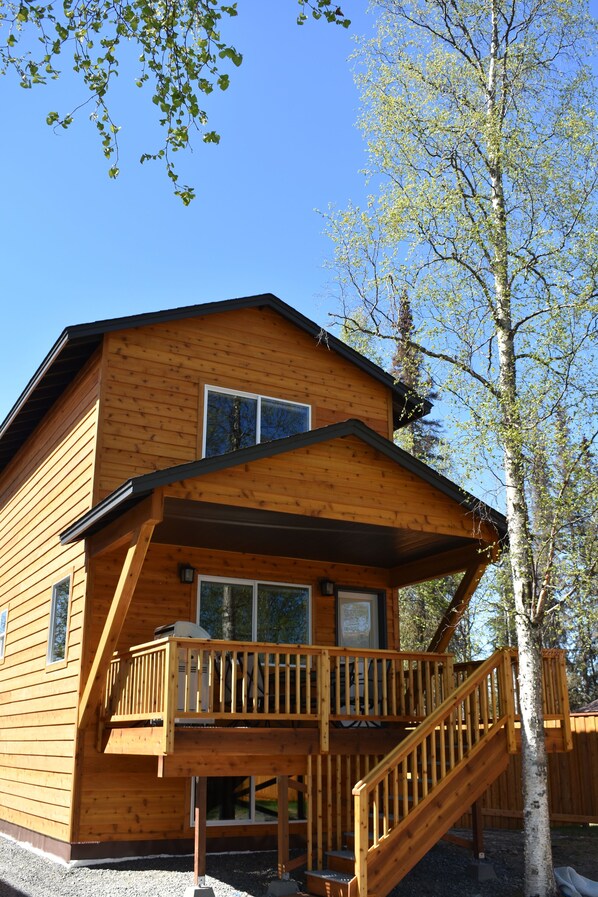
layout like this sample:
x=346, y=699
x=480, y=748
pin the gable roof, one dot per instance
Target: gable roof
x=136, y=489
x=76, y=345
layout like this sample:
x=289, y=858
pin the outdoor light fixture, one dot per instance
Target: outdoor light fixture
x=326, y=588
x=186, y=573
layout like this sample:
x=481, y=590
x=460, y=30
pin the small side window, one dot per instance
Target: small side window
x=59, y=620
x=3, y=621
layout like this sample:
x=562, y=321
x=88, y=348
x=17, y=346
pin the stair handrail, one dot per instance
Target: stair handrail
x=375, y=775
x=501, y=661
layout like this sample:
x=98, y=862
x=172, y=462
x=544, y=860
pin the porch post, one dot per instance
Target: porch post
x=477, y=830
x=457, y=607
x=200, y=846
x=324, y=708
x=283, y=827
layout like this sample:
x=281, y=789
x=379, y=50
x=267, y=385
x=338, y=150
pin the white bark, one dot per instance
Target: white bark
x=539, y=877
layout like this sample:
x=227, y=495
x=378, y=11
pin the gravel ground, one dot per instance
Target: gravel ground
x=447, y=871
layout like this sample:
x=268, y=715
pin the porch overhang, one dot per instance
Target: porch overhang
x=409, y=544
x=256, y=531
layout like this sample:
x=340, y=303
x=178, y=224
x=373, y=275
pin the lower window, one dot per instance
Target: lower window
x=241, y=799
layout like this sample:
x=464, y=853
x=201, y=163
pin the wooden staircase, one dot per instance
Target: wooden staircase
x=409, y=800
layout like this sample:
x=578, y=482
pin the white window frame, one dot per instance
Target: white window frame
x=50, y=659
x=3, y=629
x=251, y=820
x=232, y=822
x=255, y=583
x=246, y=395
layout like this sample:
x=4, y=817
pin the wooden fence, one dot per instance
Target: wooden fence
x=572, y=780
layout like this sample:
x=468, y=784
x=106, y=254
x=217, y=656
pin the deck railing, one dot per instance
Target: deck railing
x=203, y=681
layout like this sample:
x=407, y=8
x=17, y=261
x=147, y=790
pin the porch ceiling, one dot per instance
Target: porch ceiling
x=255, y=531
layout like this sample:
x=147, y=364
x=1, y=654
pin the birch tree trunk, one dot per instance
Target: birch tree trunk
x=539, y=876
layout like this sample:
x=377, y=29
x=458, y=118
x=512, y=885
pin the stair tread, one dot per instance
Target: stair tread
x=331, y=875
x=341, y=853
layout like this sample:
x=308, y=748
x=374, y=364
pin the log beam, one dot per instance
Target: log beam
x=121, y=601
x=443, y=564
x=458, y=606
x=119, y=532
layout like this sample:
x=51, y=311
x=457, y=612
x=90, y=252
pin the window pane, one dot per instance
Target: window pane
x=281, y=419
x=282, y=613
x=231, y=423
x=225, y=610
x=59, y=621
x=266, y=800
x=229, y=798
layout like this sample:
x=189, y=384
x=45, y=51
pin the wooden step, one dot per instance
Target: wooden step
x=349, y=839
x=341, y=861
x=329, y=883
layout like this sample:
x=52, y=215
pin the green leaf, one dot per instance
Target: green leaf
x=231, y=53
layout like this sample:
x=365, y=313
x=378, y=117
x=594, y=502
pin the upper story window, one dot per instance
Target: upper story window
x=3, y=621
x=59, y=618
x=235, y=420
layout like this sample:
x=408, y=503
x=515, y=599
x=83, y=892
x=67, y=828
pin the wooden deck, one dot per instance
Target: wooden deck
x=390, y=746
x=163, y=685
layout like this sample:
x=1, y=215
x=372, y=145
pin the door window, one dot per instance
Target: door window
x=359, y=619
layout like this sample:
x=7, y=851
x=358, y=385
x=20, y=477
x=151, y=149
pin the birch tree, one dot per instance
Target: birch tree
x=480, y=122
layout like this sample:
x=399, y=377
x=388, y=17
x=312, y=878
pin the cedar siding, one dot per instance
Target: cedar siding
x=46, y=486
x=121, y=797
x=342, y=479
x=154, y=379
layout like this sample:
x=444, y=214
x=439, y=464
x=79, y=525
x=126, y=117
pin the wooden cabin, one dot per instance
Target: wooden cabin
x=204, y=523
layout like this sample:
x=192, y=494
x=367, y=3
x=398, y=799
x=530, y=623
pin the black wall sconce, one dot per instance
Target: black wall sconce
x=326, y=588
x=186, y=573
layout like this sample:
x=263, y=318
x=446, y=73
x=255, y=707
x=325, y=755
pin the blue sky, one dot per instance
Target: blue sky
x=77, y=246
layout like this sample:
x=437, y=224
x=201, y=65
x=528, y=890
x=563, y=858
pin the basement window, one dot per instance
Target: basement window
x=249, y=799
x=59, y=617
x=236, y=420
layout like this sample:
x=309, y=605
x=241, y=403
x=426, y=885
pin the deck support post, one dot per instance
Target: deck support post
x=283, y=827
x=200, y=845
x=477, y=830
